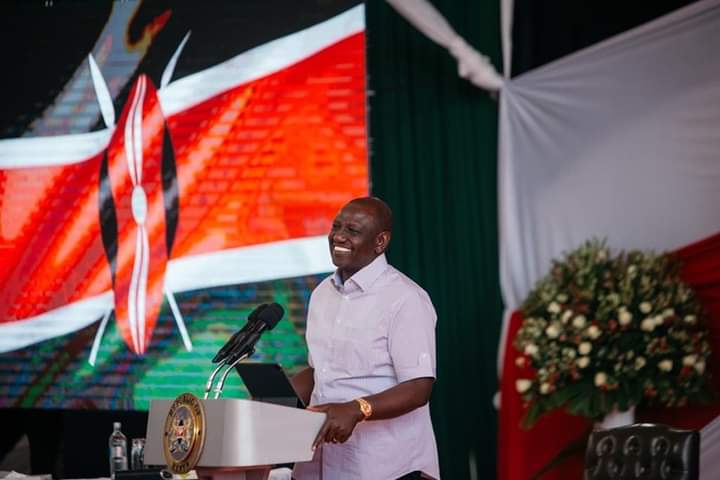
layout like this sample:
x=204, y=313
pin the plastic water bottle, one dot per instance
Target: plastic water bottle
x=118, y=451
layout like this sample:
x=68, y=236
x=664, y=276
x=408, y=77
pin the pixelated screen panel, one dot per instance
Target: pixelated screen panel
x=162, y=173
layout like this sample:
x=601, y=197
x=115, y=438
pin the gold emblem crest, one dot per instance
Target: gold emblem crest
x=184, y=433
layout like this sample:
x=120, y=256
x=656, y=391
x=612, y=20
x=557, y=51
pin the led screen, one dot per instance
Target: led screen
x=165, y=167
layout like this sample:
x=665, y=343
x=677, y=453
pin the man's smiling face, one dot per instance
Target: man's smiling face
x=356, y=238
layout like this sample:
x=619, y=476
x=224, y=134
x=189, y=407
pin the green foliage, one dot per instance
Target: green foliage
x=603, y=332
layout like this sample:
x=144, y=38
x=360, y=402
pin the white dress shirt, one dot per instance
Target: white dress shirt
x=364, y=336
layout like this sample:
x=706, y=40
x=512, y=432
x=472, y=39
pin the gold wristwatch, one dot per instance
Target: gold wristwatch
x=365, y=408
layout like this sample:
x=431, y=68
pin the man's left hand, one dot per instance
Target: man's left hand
x=339, y=423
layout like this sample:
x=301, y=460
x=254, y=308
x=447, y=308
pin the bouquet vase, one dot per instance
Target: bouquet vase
x=616, y=419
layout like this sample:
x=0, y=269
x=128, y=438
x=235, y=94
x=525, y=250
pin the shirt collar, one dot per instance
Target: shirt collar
x=366, y=276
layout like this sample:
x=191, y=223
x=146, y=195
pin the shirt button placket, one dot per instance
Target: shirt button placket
x=344, y=302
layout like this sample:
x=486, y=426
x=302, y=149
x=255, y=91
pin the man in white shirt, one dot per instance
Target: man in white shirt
x=371, y=340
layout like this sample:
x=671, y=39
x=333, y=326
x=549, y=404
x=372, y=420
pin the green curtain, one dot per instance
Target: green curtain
x=433, y=154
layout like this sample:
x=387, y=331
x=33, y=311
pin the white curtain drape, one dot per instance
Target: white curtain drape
x=472, y=65
x=710, y=451
x=619, y=141
x=507, y=8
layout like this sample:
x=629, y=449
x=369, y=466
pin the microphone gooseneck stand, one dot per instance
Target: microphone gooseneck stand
x=221, y=384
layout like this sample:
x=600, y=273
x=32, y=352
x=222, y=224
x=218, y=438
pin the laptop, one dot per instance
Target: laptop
x=268, y=382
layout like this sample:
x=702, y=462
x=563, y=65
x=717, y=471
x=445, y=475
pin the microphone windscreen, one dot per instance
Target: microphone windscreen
x=254, y=314
x=271, y=315
x=230, y=344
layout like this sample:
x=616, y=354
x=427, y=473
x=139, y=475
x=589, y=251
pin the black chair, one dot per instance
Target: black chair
x=643, y=451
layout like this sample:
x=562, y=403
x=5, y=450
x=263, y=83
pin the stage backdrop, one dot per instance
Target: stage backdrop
x=164, y=169
x=617, y=141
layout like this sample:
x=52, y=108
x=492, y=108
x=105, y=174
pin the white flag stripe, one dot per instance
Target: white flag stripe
x=284, y=259
x=55, y=323
x=142, y=287
x=132, y=298
x=137, y=131
x=129, y=146
x=260, y=61
x=52, y=151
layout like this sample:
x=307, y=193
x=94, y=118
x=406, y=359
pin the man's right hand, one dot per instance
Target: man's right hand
x=339, y=423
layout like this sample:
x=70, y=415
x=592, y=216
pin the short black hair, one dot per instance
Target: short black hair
x=382, y=211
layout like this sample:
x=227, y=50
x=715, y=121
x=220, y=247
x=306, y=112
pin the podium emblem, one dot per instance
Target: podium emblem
x=184, y=433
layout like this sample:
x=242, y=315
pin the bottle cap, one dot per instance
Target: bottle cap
x=116, y=425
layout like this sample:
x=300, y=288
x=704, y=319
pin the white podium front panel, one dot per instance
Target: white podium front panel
x=242, y=433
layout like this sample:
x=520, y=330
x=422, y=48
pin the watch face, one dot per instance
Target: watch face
x=365, y=407
x=184, y=433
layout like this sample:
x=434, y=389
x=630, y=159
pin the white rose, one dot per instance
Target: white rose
x=647, y=325
x=668, y=312
x=562, y=297
x=570, y=353
x=646, y=307
x=600, y=379
x=690, y=319
x=632, y=270
x=531, y=349
x=639, y=363
x=666, y=365
x=625, y=317
x=553, y=307
x=613, y=298
x=593, y=332
x=659, y=320
x=700, y=367
x=522, y=385
x=583, y=362
x=689, y=360
x=601, y=255
x=584, y=348
x=579, y=321
x=545, y=388
x=566, y=316
x=552, y=331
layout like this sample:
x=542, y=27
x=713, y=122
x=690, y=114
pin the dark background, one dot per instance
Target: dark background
x=545, y=30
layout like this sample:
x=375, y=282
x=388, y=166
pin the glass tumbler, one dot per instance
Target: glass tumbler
x=137, y=454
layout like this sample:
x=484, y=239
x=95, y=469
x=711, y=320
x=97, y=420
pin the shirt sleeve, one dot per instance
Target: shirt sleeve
x=411, y=338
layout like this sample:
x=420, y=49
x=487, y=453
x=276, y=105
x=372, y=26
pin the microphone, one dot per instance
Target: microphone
x=266, y=319
x=230, y=344
x=242, y=344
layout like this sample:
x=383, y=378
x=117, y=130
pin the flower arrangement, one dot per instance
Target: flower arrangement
x=603, y=333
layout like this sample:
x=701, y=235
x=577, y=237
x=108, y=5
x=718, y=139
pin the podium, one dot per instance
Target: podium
x=243, y=438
